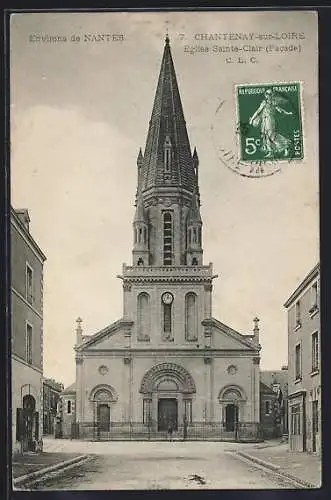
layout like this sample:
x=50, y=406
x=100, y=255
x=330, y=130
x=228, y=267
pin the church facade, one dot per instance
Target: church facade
x=167, y=361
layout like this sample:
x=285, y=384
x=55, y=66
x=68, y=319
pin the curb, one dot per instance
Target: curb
x=61, y=465
x=277, y=469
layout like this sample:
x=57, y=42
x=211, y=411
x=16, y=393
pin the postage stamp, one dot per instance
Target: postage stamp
x=269, y=121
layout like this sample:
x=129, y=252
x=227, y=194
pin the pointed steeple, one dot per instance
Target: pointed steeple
x=167, y=166
x=140, y=158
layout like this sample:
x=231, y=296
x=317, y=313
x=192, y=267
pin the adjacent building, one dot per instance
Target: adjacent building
x=304, y=370
x=51, y=397
x=274, y=402
x=167, y=360
x=27, y=261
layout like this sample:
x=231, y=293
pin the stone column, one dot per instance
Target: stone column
x=128, y=363
x=154, y=409
x=79, y=388
x=208, y=288
x=208, y=388
x=180, y=409
x=256, y=394
x=127, y=299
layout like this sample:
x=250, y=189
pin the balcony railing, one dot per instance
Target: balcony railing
x=155, y=271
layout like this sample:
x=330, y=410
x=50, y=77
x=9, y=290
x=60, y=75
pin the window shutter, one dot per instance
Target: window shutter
x=19, y=424
x=36, y=416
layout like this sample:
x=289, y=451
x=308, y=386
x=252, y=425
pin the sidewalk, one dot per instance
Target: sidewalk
x=33, y=462
x=303, y=467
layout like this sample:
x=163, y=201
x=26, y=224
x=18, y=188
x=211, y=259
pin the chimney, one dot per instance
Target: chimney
x=79, y=331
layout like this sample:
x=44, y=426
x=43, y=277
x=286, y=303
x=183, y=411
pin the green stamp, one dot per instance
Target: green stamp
x=270, y=122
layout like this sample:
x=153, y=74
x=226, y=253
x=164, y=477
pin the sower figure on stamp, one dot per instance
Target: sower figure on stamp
x=265, y=117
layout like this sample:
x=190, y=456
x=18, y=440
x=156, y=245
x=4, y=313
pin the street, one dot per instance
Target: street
x=158, y=465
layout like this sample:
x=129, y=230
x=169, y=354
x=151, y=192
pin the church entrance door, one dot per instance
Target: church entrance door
x=231, y=417
x=167, y=412
x=103, y=417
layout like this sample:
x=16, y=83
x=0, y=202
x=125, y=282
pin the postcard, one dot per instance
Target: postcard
x=165, y=279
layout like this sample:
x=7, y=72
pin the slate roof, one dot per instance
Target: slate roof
x=167, y=120
x=71, y=389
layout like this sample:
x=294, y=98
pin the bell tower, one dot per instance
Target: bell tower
x=167, y=290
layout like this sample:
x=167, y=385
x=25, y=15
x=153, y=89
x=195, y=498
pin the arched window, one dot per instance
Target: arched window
x=194, y=261
x=69, y=407
x=167, y=321
x=191, y=317
x=140, y=235
x=143, y=318
x=140, y=262
x=167, y=239
x=145, y=235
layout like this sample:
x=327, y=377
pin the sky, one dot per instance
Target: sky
x=80, y=113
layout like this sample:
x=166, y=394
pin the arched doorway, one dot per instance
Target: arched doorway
x=232, y=400
x=102, y=397
x=167, y=406
x=30, y=422
x=231, y=417
x=167, y=391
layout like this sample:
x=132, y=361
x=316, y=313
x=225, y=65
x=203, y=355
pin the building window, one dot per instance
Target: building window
x=29, y=284
x=314, y=352
x=167, y=155
x=298, y=362
x=167, y=160
x=314, y=297
x=147, y=411
x=167, y=239
x=29, y=343
x=295, y=420
x=298, y=314
x=143, y=316
x=69, y=407
x=167, y=319
x=267, y=407
x=191, y=316
x=188, y=410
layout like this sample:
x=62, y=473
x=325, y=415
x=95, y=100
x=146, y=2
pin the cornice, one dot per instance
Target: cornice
x=201, y=353
x=305, y=283
x=26, y=236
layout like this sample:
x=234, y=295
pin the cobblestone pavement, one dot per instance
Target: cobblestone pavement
x=157, y=466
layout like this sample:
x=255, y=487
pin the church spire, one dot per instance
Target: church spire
x=167, y=158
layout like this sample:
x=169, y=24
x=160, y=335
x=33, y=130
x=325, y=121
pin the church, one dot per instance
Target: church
x=167, y=361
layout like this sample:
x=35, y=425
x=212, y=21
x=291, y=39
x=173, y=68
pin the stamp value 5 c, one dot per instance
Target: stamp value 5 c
x=269, y=121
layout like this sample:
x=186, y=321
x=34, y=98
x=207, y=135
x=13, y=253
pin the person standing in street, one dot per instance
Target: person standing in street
x=170, y=430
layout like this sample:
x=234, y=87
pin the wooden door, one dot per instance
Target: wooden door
x=103, y=417
x=167, y=413
x=231, y=417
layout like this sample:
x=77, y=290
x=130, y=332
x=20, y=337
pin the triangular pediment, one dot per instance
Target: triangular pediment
x=225, y=337
x=109, y=337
